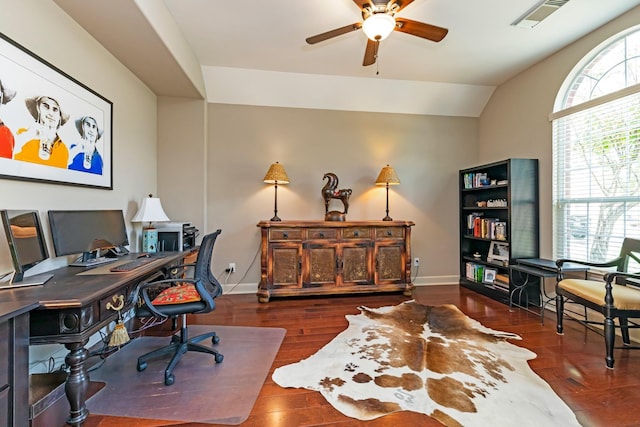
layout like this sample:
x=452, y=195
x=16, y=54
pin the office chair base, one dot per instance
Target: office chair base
x=179, y=345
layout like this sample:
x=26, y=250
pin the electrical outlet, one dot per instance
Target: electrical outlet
x=416, y=262
x=232, y=267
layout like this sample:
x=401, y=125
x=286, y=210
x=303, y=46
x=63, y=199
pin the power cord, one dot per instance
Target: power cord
x=245, y=272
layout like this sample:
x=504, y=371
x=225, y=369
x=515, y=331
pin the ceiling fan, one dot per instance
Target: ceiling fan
x=379, y=20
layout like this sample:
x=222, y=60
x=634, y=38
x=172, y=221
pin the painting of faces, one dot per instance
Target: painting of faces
x=52, y=127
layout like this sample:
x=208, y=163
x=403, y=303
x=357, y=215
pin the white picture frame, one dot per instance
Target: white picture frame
x=489, y=276
x=498, y=251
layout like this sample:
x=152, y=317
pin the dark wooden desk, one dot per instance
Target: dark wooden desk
x=14, y=363
x=73, y=307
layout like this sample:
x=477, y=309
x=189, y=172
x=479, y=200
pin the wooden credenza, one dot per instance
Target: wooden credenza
x=325, y=257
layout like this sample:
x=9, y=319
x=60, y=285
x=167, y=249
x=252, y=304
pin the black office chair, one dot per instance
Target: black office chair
x=180, y=296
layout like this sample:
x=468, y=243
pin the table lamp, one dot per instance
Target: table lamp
x=151, y=211
x=387, y=177
x=276, y=175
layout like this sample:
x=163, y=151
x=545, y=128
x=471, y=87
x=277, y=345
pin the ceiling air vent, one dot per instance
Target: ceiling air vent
x=538, y=12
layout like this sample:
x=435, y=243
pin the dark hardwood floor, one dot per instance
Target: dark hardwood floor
x=573, y=364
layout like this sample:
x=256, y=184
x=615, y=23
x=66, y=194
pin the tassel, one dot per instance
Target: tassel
x=119, y=336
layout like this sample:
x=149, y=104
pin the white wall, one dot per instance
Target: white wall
x=44, y=29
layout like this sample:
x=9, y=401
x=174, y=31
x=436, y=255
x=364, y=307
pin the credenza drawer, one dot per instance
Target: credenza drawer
x=389, y=232
x=285, y=234
x=322, y=233
x=355, y=233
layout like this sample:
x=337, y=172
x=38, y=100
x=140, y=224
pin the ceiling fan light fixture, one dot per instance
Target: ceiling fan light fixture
x=378, y=26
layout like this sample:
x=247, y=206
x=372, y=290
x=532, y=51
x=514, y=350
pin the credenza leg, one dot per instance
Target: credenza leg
x=77, y=383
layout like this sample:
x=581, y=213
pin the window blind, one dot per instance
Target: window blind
x=596, y=173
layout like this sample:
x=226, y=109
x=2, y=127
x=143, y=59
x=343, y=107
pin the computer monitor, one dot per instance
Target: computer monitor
x=27, y=246
x=77, y=232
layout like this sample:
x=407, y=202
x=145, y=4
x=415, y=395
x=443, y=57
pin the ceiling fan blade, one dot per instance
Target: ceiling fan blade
x=334, y=33
x=370, y=52
x=361, y=3
x=420, y=29
x=402, y=4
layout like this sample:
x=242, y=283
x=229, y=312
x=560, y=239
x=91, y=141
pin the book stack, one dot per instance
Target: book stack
x=501, y=282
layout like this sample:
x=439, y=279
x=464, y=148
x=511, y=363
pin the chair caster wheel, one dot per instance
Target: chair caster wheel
x=169, y=380
x=219, y=358
x=142, y=366
x=215, y=339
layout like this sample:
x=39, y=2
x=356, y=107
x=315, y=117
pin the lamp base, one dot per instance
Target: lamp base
x=387, y=218
x=149, y=240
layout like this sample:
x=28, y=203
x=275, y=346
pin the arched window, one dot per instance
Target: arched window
x=596, y=152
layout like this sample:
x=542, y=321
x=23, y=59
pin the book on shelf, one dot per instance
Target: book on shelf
x=475, y=272
x=486, y=228
x=473, y=180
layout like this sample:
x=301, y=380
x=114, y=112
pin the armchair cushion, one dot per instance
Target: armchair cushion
x=177, y=295
x=624, y=297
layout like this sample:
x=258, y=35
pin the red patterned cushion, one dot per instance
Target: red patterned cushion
x=177, y=295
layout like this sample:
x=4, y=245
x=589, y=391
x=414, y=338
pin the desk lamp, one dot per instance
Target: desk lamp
x=276, y=175
x=387, y=177
x=151, y=211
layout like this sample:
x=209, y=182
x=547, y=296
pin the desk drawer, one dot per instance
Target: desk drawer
x=113, y=301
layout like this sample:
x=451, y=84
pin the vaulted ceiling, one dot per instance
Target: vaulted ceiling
x=481, y=49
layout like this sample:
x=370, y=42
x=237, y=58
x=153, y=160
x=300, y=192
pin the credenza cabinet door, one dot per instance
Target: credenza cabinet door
x=355, y=263
x=286, y=265
x=390, y=262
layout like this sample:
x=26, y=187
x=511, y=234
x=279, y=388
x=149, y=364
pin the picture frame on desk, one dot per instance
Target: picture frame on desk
x=53, y=128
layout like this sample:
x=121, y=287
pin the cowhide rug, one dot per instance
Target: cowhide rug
x=433, y=360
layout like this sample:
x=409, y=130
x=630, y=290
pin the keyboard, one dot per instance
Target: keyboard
x=94, y=262
x=132, y=265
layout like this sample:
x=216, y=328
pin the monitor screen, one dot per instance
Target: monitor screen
x=74, y=232
x=27, y=244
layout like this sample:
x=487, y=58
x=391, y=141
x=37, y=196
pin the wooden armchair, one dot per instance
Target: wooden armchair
x=617, y=295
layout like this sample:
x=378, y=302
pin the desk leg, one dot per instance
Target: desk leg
x=77, y=383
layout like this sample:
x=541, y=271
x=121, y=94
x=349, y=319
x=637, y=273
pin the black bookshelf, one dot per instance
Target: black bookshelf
x=506, y=205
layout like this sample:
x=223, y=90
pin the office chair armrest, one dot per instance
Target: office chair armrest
x=144, y=291
x=174, y=270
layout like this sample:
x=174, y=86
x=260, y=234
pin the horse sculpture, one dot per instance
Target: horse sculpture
x=330, y=191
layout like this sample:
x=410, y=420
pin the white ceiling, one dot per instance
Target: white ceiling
x=481, y=48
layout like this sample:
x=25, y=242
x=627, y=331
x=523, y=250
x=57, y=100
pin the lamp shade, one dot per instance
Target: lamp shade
x=276, y=175
x=378, y=26
x=150, y=211
x=387, y=177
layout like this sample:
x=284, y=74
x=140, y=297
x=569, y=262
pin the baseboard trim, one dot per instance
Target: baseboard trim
x=252, y=288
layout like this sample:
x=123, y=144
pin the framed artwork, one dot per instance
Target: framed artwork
x=53, y=128
x=489, y=275
x=498, y=251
